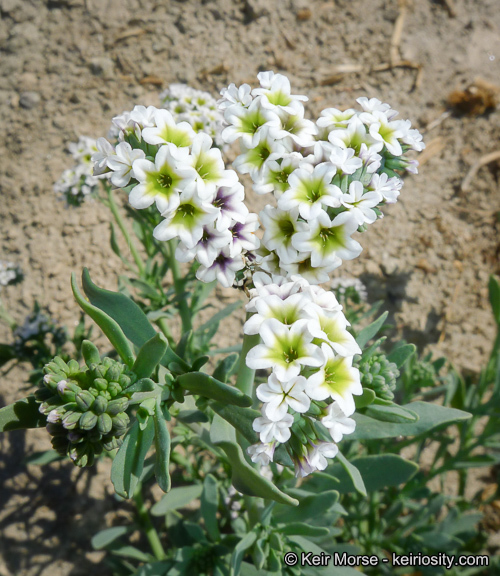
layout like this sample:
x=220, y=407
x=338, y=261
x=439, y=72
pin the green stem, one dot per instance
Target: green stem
x=147, y=525
x=163, y=326
x=246, y=375
x=4, y=315
x=184, y=311
x=121, y=224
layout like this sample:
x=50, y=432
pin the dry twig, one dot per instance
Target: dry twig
x=487, y=159
x=398, y=32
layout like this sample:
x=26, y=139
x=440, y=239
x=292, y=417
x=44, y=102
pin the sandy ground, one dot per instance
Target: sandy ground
x=68, y=66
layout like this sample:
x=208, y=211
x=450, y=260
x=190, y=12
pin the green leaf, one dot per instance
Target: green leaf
x=494, y=292
x=128, y=551
x=42, y=458
x=221, y=314
x=430, y=416
x=378, y=471
x=129, y=460
x=242, y=420
x=365, y=399
x=154, y=569
x=21, y=415
x=7, y=353
x=177, y=498
x=150, y=355
x=401, y=354
x=371, y=330
x=244, y=478
x=225, y=368
x=209, y=507
x=90, y=353
x=109, y=326
x=106, y=537
x=302, y=529
x=310, y=506
x=309, y=546
x=127, y=314
x=162, y=449
x=353, y=473
x=437, y=540
x=205, y=385
x=239, y=552
x=390, y=412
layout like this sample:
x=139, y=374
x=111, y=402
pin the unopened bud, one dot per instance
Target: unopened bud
x=100, y=405
x=117, y=406
x=88, y=420
x=104, y=423
x=84, y=400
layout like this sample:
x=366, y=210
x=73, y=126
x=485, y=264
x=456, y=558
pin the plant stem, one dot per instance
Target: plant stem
x=163, y=326
x=121, y=224
x=4, y=315
x=147, y=525
x=184, y=311
x=246, y=375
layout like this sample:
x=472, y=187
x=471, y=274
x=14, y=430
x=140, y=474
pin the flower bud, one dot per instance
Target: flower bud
x=100, y=405
x=88, y=420
x=120, y=423
x=70, y=420
x=104, y=423
x=100, y=384
x=117, y=406
x=113, y=373
x=84, y=400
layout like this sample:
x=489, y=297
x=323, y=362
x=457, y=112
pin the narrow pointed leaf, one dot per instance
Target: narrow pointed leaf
x=494, y=292
x=205, y=385
x=391, y=413
x=109, y=326
x=150, y=355
x=177, y=498
x=353, y=472
x=129, y=461
x=162, y=449
x=244, y=478
x=21, y=415
x=371, y=330
x=209, y=507
x=106, y=537
x=225, y=368
x=127, y=314
x=401, y=354
x=239, y=552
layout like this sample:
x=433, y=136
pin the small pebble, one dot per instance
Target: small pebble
x=29, y=100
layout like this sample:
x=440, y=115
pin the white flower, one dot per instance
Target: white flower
x=287, y=311
x=336, y=379
x=100, y=158
x=285, y=350
x=344, y=160
x=223, y=269
x=278, y=396
x=318, y=454
x=278, y=429
x=262, y=453
x=245, y=123
x=331, y=327
x=208, y=248
x=229, y=200
x=243, y=237
x=328, y=240
x=121, y=163
x=166, y=131
x=265, y=148
x=360, y=204
x=187, y=220
x=275, y=93
x=162, y=181
x=279, y=229
x=273, y=177
x=387, y=187
x=354, y=136
x=295, y=127
x=235, y=95
x=332, y=117
x=385, y=131
x=372, y=104
x=310, y=190
x=337, y=422
x=413, y=138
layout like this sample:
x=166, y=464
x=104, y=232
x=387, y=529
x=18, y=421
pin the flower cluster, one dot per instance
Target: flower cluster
x=85, y=407
x=379, y=374
x=306, y=345
x=329, y=178
x=196, y=107
x=166, y=163
x=78, y=184
x=10, y=273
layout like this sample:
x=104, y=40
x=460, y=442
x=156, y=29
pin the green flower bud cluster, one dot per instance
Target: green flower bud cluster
x=380, y=375
x=423, y=374
x=85, y=406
